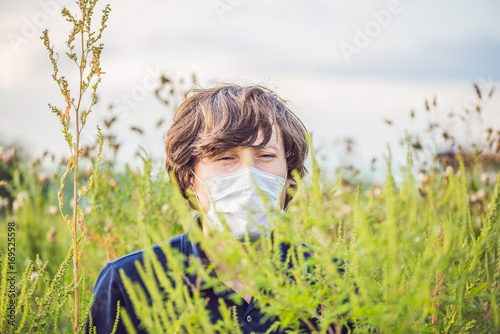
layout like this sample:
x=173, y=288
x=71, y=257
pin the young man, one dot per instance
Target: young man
x=228, y=147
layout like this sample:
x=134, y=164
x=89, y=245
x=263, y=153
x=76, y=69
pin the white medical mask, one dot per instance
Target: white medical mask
x=240, y=200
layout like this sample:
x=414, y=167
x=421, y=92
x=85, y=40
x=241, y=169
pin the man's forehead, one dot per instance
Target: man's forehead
x=274, y=140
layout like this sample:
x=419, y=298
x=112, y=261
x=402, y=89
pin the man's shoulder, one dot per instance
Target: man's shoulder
x=128, y=262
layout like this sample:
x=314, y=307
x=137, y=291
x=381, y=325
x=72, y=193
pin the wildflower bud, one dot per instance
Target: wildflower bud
x=112, y=183
x=346, y=209
x=42, y=178
x=13, y=153
x=80, y=222
x=473, y=199
x=33, y=276
x=21, y=197
x=423, y=178
x=53, y=210
x=165, y=208
x=479, y=222
x=51, y=234
x=84, y=151
x=481, y=194
x=485, y=179
x=7, y=159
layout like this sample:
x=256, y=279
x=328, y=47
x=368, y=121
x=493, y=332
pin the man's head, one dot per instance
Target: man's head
x=211, y=122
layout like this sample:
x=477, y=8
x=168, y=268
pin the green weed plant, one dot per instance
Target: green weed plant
x=412, y=263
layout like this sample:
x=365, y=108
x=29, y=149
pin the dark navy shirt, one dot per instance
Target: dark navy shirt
x=109, y=289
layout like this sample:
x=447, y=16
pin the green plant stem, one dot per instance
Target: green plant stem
x=75, y=193
x=75, y=213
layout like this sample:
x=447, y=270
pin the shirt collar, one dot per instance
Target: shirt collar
x=194, y=248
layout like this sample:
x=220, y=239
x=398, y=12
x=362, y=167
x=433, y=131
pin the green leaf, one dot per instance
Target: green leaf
x=477, y=289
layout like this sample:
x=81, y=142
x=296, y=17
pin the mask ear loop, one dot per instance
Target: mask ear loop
x=196, y=176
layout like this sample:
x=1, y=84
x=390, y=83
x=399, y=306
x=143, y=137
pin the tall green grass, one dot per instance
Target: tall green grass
x=419, y=256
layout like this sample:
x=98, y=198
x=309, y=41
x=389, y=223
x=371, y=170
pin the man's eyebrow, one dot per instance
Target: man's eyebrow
x=269, y=145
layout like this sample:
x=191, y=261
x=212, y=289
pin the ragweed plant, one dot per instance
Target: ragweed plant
x=418, y=257
x=398, y=262
x=86, y=54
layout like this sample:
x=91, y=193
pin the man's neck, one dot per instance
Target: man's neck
x=230, y=276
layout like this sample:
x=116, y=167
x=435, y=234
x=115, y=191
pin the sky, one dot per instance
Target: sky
x=345, y=67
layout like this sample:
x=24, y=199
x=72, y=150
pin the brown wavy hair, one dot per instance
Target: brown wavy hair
x=212, y=121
